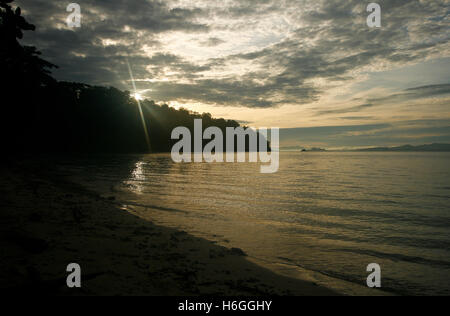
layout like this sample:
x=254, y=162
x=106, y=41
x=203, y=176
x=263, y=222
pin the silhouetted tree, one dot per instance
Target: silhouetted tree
x=23, y=75
x=41, y=114
x=21, y=65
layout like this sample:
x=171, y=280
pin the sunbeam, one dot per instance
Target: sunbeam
x=138, y=99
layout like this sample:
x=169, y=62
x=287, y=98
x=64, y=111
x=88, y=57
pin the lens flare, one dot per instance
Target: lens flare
x=138, y=98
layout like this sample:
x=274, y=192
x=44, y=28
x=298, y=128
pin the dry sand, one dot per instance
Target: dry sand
x=48, y=222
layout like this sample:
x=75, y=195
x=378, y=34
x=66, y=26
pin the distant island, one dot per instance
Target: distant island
x=409, y=148
x=405, y=148
x=302, y=149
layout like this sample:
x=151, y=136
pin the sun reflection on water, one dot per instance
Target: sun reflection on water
x=137, y=177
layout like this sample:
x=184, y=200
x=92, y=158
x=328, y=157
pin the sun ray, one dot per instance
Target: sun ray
x=138, y=98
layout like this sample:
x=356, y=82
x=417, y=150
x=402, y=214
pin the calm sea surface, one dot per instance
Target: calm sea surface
x=323, y=216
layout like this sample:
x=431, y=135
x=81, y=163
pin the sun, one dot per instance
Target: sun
x=138, y=96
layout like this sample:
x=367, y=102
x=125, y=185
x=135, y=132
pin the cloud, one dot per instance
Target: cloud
x=346, y=110
x=416, y=93
x=393, y=134
x=430, y=90
x=246, y=53
x=111, y=31
x=211, y=42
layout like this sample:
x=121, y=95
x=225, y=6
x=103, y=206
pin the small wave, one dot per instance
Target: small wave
x=400, y=257
x=160, y=208
x=390, y=285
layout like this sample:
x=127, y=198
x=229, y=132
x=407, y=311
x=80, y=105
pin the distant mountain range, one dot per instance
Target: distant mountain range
x=406, y=148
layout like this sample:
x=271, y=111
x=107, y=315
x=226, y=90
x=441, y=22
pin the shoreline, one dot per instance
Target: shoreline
x=48, y=223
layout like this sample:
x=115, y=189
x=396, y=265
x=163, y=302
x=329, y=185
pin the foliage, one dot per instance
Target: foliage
x=41, y=114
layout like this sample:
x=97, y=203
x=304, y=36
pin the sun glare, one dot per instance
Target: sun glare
x=138, y=96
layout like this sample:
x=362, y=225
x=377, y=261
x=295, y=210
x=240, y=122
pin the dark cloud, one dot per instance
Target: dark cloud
x=430, y=90
x=413, y=94
x=329, y=41
x=408, y=94
x=346, y=110
x=416, y=132
x=82, y=54
x=109, y=17
x=357, y=118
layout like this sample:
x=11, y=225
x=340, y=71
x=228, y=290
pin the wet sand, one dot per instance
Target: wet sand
x=48, y=222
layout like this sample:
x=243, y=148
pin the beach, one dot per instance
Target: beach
x=49, y=222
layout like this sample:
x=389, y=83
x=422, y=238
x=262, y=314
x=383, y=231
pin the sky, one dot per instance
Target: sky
x=311, y=67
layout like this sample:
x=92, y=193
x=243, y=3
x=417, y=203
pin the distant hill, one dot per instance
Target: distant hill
x=407, y=148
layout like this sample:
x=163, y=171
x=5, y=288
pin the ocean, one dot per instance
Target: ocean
x=323, y=217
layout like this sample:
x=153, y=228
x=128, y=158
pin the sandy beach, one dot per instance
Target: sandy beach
x=49, y=222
